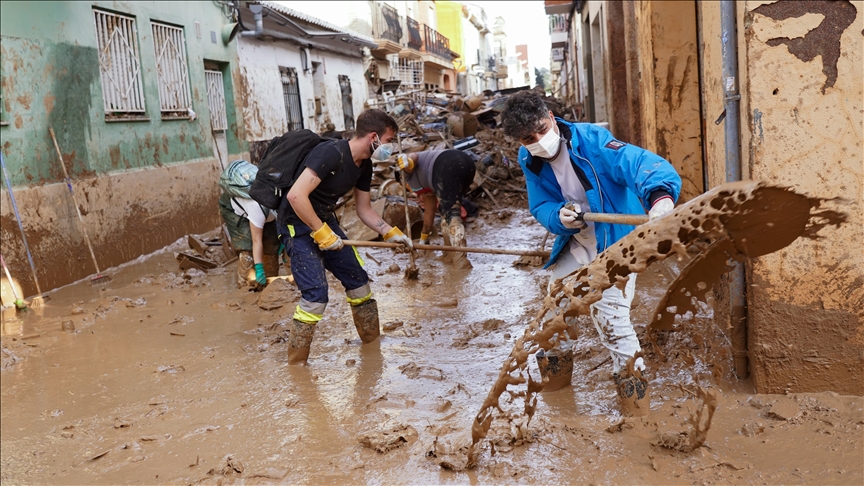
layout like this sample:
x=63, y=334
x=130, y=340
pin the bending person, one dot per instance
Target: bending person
x=442, y=177
x=571, y=168
x=252, y=228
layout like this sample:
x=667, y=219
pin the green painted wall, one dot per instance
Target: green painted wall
x=50, y=77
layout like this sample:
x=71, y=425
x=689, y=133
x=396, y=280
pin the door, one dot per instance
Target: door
x=291, y=95
x=347, y=102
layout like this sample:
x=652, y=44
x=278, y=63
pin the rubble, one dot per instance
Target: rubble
x=432, y=120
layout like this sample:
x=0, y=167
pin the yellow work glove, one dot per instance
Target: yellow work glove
x=403, y=162
x=327, y=239
x=424, y=239
x=396, y=235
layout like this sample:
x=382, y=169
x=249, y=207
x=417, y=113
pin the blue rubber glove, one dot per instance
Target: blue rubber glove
x=260, y=277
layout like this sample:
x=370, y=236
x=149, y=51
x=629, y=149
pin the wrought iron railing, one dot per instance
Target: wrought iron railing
x=435, y=42
x=387, y=23
x=415, y=39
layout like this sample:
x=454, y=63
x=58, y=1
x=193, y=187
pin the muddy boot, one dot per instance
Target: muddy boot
x=457, y=238
x=633, y=392
x=245, y=270
x=299, y=341
x=366, y=320
x=557, y=364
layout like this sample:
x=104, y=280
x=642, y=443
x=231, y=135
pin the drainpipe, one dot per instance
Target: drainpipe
x=737, y=284
x=256, y=10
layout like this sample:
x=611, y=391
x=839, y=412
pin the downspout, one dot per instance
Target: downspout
x=737, y=284
x=256, y=10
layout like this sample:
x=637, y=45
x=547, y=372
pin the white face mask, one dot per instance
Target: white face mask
x=548, y=145
x=382, y=152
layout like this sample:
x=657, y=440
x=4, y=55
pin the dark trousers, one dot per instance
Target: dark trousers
x=452, y=176
x=308, y=263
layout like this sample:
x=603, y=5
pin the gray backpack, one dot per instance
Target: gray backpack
x=237, y=178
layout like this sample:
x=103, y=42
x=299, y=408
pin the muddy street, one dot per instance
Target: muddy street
x=183, y=379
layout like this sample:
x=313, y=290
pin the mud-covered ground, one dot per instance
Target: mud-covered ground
x=183, y=379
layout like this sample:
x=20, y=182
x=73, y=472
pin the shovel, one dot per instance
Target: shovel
x=412, y=271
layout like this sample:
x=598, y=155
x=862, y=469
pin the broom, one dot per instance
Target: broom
x=19, y=304
x=98, y=278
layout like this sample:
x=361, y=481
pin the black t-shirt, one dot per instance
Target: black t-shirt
x=333, y=164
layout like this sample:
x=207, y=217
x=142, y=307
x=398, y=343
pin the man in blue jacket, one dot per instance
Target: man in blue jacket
x=571, y=168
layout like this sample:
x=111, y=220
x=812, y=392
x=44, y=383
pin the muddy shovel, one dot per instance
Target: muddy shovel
x=412, y=272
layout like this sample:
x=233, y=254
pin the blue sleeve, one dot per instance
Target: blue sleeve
x=544, y=205
x=640, y=170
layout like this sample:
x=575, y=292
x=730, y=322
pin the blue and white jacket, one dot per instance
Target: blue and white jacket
x=617, y=177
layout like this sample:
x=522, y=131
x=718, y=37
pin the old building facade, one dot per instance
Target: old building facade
x=654, y=71
x=141, y=97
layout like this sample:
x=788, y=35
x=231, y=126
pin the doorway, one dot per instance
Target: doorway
x=347, y=101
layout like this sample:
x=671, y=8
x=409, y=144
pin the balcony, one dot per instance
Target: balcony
x=557, y=6
x=415, y=39
x=558, y=30
x=386, y=28
x=436, y=49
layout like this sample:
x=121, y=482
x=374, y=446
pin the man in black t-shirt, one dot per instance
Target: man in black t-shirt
x=312, y=236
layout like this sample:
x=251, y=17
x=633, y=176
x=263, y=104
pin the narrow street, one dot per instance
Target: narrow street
x=183, y=379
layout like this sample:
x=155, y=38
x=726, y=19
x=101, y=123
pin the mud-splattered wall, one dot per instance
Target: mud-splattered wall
x=141, y=184
x=805, y=118
x=264, y=105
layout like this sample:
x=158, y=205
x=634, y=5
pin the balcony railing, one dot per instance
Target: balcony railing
x=387, y=24
x=435, y=43
x=415, y=39
x=557, y=23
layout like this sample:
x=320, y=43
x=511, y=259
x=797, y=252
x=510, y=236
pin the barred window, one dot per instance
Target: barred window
x=169, y=44
x=119, y=64
x=216, y=100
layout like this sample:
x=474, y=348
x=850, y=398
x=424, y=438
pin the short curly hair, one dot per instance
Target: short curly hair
x=523, y=114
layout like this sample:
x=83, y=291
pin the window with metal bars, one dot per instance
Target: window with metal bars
x=172, y=72
x=119, y=65
x=291, y=95
x=216, y=100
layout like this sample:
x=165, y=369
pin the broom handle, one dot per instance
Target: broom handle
x=74, y=200
x=20, y=224
x=461, y=249
x=405, y=197
x=631, y=219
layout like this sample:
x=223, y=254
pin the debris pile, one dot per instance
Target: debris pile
x=433, y=120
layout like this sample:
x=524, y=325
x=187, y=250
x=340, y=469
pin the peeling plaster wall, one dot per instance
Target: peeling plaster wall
x=676, y=88
x=805, y=120
x=120, y=170
x=264, y=105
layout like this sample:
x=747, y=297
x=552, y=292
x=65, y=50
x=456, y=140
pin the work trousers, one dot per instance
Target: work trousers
x=610, y=315
x=308, y=265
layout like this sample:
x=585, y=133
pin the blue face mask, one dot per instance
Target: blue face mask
x=382, y=153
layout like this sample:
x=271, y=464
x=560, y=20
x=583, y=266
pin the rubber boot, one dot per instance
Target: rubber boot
x=557, y=364
x=299, y=341
x=366, y=320
x=633, y=391
x=457, y=238
x=245, y=270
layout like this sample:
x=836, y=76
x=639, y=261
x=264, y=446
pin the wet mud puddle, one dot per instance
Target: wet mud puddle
x=183, y=379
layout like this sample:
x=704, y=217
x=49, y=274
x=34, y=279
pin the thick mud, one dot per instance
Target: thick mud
x=181, y=378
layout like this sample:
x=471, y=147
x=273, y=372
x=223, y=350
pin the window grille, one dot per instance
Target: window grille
x=119, y=65
x=291, y=95
x=172, y=72
x=408, y=71
x=216, y=100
